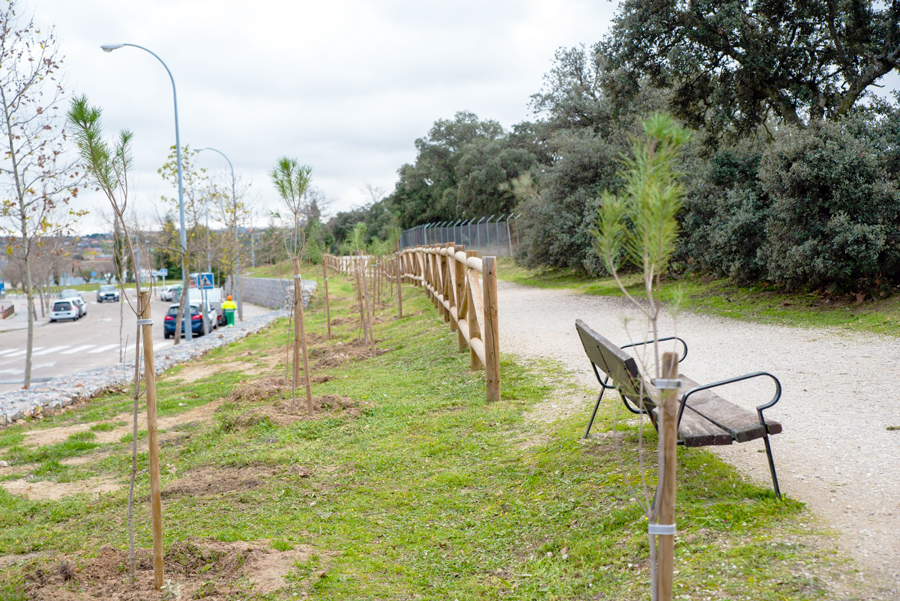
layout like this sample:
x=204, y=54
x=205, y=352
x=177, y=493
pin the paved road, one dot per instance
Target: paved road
x=66, y=347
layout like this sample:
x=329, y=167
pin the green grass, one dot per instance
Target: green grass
x=284, y=269
x=760, y=303
x=426, y=491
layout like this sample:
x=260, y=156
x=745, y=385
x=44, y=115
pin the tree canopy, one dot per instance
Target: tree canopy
x=732, y=64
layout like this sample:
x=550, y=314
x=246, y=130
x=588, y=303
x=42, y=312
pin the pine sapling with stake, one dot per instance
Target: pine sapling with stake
x=639, y=226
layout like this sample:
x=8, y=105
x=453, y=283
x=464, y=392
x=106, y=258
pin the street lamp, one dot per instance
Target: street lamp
x=237, y=261
x=186, y=318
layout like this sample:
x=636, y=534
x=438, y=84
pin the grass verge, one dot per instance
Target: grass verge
x=405, y=484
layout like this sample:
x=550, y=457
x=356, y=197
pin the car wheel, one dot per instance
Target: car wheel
x=52, y=320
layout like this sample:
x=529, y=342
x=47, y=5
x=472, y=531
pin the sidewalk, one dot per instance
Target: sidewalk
x=19, y=320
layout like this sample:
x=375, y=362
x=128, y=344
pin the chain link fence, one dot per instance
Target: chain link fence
x=492, y=235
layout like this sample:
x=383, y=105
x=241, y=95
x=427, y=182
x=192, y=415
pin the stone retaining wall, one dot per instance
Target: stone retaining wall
x=270, y=292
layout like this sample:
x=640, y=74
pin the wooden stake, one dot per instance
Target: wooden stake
x=153, y=441
x=359, y=304
x=327, y=302
x=491, y=329
x=668, y=442
x=368, y=311
x=300, y=335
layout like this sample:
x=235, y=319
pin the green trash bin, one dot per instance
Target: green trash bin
x=229, y=317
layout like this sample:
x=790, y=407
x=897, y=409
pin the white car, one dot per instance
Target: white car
x=165, y=293
x=82, y=306
x=65, y=309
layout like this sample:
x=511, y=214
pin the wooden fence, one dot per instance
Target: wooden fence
x=462, y=286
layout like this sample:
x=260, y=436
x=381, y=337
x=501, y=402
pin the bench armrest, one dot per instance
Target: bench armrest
x=756, y=374
x=683, y=345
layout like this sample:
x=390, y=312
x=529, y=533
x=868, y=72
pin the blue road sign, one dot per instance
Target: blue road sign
x=164, y=272
x=93, y=274
x=206, y=281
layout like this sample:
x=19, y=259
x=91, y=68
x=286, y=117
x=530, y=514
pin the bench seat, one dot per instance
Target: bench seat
x=708, y=419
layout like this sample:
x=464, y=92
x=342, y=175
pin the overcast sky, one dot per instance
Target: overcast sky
x=345, y=86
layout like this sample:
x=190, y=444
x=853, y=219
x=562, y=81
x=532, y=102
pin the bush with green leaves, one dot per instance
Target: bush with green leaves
x=724, y=221
x=835, y=209
x=558, y=216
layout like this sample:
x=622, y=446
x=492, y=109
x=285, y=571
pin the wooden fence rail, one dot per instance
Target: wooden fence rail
x=462, y=286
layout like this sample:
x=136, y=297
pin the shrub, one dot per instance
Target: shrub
x=724, y=221
x=835, y=211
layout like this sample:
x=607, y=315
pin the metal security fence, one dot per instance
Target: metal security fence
x=488, y=235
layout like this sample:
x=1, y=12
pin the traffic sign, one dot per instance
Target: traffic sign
x=93, y=274
x=164, y=272
x=206, y=281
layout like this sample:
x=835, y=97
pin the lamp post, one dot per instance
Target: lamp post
x=237, y=260
x=186, y=318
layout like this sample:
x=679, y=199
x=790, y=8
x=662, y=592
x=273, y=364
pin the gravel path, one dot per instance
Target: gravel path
x=836, y=453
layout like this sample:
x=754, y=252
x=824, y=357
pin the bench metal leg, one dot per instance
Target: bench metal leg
x=597, y=406
x=772, y=466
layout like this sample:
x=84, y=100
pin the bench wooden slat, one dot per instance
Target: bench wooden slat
x=743, y=424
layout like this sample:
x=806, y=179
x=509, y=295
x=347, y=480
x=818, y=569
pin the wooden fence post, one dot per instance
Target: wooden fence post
x=152, y=437
x=491, y=329
x=399, y=263
x=460, y=292
x=668, y=453
x=327, y=302
x=472, y=317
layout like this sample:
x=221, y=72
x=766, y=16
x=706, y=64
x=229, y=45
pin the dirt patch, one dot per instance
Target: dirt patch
x=44, y=490
x=213, y=481
x=194, y=569
x=281, y=412
x=258, y=390
x=198, y=371
x=57, y=435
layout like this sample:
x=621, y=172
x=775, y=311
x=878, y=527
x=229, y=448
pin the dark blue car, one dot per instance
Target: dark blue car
x=196, y=322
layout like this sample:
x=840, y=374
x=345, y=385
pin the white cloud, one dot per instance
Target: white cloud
x=345, y=86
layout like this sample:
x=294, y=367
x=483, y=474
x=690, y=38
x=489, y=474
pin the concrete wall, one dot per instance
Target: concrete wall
x=270, y=292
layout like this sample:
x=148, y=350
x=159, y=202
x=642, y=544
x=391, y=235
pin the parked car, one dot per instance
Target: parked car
x=65, y=309
x=82, y=306
x=70, y=293
x=196, y=320
x=108, y=292
x=165, y=293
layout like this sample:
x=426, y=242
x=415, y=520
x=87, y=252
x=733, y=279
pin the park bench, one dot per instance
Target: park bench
x=704, y=418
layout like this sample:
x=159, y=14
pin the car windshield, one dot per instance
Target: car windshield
x=107, y=288
x=62, y=306
x=174, y=310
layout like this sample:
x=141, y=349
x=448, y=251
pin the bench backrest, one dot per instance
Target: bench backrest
x=613, y=361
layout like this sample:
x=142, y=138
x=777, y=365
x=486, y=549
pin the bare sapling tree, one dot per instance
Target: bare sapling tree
x=292, y=180
x=108, y=167
x=39, y=181
x=639, y=226
x=196, y=195
x=233, y=210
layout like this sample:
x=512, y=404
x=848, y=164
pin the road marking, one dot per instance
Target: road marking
x=8, y=351
x=103, y=349
x=12, y=371
x=162, y=345
x=24, y=351
x=78, y=349
x=40, y=365
x=51, y=350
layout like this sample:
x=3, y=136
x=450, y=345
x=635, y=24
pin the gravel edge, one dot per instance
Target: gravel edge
x=68, y=390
